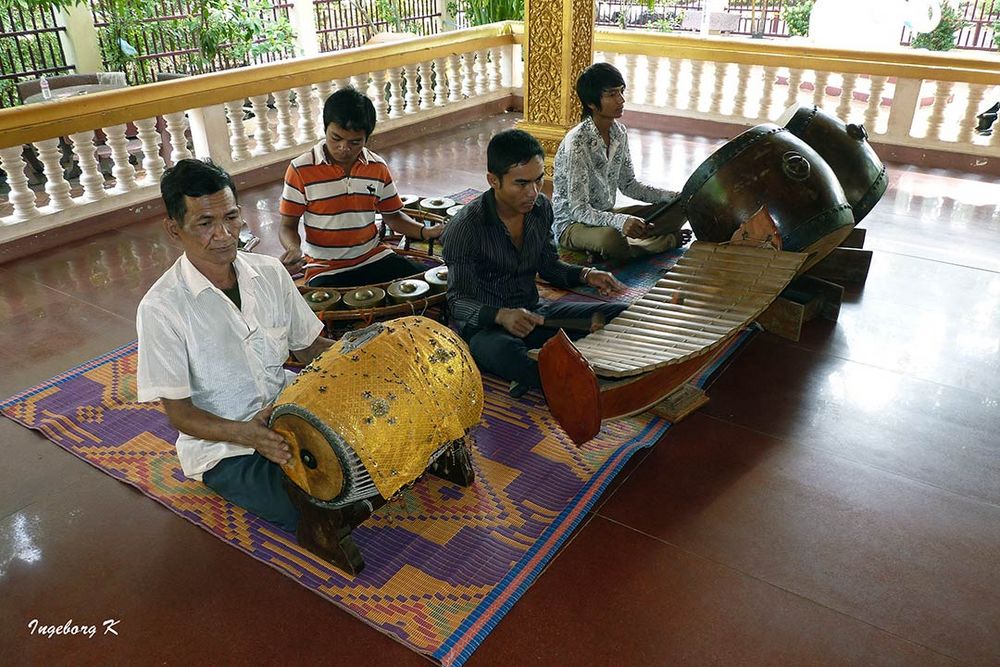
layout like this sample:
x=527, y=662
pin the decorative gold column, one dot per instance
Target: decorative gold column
x=558, y=47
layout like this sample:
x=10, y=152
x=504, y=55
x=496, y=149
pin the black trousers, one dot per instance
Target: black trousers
x=388, y=268
x=498, y=352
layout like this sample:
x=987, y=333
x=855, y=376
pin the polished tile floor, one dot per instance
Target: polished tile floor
x=836, y=503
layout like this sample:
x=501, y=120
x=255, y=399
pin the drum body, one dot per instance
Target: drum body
x=769, y=168
x=846, y=149
x=371, y=413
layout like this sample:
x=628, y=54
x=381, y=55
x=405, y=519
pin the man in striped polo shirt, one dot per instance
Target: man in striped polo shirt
x=336, y=189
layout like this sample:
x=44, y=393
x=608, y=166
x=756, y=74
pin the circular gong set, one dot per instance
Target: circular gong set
x=424, y=292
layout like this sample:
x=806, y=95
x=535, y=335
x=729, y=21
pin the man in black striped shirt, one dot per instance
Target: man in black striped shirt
x=495, y=247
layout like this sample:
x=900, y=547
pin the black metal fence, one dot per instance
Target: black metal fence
x=342, y=24
x=29, y=47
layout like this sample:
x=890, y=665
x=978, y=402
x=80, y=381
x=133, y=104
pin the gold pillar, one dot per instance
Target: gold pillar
x=559, y=45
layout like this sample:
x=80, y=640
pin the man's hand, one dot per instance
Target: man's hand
x=271, y=446
x=635, y=228
x=434, y=232
x=605, y=282
x=293, y=260
x=518, y=321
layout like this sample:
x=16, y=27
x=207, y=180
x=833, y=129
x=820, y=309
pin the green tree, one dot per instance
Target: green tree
x=796, y=16
x=481, y=12
x=945, y=35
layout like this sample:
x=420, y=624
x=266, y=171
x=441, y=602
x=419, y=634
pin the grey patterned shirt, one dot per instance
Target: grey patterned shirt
x=587, y=179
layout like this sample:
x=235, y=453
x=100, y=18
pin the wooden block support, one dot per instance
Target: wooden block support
x=843, y=265
x=856, y=239
x=806, y=298
x=680, y=403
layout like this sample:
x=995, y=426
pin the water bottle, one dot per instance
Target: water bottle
x=46, y=92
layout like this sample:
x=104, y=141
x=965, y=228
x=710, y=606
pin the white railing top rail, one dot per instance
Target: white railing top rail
x=35, y=122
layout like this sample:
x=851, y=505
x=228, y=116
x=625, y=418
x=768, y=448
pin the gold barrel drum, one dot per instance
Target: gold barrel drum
x=370, y=414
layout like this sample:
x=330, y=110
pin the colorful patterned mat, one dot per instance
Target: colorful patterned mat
x=444, y=563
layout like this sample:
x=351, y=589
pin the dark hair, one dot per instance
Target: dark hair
x=351, y=110
x=511, y=148
x=192, y=178
x=593, y=82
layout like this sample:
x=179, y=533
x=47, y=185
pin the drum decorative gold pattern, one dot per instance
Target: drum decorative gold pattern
x=394, y=396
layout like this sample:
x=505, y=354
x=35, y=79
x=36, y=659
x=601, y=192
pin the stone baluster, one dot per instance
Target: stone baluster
x=395, y=93
x=323, y=90
x=123, y=171
x=479, y=69
x=468, y=76
x=239, y=145
x=874, y=102
x=262, y=133
x=716, y=84
x=819, y=94
x=359, y=82
x=652, y=74
x=376, y=92
x=496, y=69
x=977, y=92
x=849, y=83
x=152, y=163
x=412, y=93
x=304, y=99
x=675, y=75
x=20, y=196
x=286, y=133
x=177, y=126
x=342, y=83
x=697, y=71
x=630, y=72
x=49, y=154
x=440, y=82
x=767, y=94
x=742, y=78
x=794, y=81
x=91, y=177
x=426, y=86
x=942, y=91
x=454, y=79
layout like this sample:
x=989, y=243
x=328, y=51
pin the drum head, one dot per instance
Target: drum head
x=314, y=466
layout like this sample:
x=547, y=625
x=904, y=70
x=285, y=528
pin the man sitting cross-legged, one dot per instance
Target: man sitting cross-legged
x=494, y=249
x=214, y=332
x=592, y=164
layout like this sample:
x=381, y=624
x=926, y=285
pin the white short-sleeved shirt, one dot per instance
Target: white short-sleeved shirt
x=195, y=343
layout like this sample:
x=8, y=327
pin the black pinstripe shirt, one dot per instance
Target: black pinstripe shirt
x=487, y=272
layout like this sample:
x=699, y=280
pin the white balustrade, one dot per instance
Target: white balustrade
x=56, y=187
x=412, y=94
x=262, y=128
x=440, y=83
x=426, y=87
x=283, y=106
x=21, y=198
x=306, y=105
x=850, y=82
x=238, y=143
x=123, y=171
x=395, y=93
x=742, y=79
x=652, y=72
x=969, y=121
x=177, y=127
x=467, y=75
x=454, y=79
x=481, y=83
x=496, y=69
x=819, y=92
x=874, y=102
x=152, y=163
x=767, y=97
x=674, y=86
x=794, y=83
x=91, y=178
x=376, y=92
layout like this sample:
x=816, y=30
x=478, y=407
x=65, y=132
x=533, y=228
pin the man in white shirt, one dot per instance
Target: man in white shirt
x=214, y=333
x=592, y=164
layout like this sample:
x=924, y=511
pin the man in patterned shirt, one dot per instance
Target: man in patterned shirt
x=592, y=164
x=494, y=248
x=336, y=189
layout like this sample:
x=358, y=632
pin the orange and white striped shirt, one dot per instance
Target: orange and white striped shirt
x=338, y=208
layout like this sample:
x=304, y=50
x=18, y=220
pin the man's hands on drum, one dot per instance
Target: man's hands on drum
x=519, y=321
x=434, y=232
x=271, y=446
x=293, y=259
x=635, y=228
x=605, y=282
